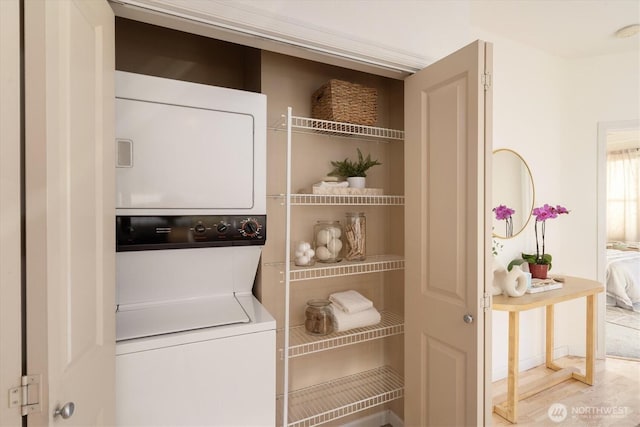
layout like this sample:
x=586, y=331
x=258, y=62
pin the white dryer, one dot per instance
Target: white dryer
x=194, y=346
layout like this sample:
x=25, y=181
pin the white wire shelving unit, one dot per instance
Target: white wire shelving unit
x=342, y=199
x=373, y=264
x=344, y=396
x=327, y=127
x=332, y=400
x=301, y=343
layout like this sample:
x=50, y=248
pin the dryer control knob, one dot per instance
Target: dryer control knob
x=250, y=227
x=199, y=228
x=222, y=227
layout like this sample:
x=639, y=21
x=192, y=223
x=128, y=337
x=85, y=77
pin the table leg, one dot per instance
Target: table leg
x=590, y=363
x=591, y=342
x=512, y=380
x=550, y=337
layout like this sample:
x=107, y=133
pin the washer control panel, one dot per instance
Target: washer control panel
x=173, y=232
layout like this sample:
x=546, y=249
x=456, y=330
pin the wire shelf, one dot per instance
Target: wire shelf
x=373, y=264
x=302, y=343
x=309, y=125
x=345, y=396
x=343, y=199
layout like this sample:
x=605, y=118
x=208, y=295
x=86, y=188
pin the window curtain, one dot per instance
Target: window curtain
x=623, y=196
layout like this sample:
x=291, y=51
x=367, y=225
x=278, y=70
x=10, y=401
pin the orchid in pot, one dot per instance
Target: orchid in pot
x=540, y=262
x=503, y=212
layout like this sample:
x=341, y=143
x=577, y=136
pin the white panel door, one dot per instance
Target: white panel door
x=70, y=213
x=447, y=145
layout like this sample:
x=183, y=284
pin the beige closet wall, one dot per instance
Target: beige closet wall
x=157, y=51
x=288, y=82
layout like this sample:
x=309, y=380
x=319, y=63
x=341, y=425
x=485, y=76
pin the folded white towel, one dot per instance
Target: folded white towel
x=344, y=321
x=350, y=301
x=327, y=184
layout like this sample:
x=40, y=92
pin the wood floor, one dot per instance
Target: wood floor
x=614, y=399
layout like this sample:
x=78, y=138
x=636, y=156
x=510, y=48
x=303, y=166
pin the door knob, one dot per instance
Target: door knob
x=467, y=318
x=66, y=411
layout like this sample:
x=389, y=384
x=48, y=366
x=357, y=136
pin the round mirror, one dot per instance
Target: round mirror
x=513, y=193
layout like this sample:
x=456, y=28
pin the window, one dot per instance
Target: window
x=623, y=195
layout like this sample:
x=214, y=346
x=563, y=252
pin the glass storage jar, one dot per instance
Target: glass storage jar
x=318, y=317
x=303, y=254
x=355, y=236
x=327, y=241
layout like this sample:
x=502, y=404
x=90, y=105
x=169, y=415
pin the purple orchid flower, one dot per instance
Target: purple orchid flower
x=504, y=213
x=542, y=214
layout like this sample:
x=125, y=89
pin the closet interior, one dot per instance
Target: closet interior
x=347, y=375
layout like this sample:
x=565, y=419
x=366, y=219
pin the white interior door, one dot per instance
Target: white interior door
x=69, y=166
x=447, y=147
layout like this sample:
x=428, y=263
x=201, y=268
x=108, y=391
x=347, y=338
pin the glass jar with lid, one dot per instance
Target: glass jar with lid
x=318, y=317
x=327, y=241
x=355, y=236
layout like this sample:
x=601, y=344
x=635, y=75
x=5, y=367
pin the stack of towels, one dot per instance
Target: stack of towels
x=352, y=310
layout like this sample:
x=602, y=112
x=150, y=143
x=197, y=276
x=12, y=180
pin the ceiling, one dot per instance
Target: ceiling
x=567, y=28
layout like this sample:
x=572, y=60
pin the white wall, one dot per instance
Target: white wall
x=531, y=100
x=603, y=89
x=547, y=108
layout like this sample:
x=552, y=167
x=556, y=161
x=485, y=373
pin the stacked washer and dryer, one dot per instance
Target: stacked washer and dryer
x=194, y=346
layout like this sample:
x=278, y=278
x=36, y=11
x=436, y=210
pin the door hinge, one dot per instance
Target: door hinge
x=486, y=301
x=486, y=80
x=27, y=396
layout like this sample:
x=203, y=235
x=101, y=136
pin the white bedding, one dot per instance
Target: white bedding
x=623, y=278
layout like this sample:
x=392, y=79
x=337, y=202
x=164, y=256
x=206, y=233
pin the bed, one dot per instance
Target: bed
x=622, y=278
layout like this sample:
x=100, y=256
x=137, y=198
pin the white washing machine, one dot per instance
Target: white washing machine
x=194, y=346
x=203, y=352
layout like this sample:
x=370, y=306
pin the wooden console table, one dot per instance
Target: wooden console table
x=573, y=288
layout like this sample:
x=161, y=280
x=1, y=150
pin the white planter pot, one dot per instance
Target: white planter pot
x=356, y=181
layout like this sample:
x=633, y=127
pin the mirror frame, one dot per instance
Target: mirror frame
x=533, y=191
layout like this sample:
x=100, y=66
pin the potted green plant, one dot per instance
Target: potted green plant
x=540, y=262
x=354, y=169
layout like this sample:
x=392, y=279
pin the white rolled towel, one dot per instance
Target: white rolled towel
x=344, y=321
x=350, y=301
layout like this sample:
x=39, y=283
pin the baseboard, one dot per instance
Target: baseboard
x=528, y=363
x=377, y=420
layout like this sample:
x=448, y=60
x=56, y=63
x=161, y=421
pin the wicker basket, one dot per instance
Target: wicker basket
x=346, y=102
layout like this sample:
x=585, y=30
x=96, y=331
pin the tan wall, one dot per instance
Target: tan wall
x=163, y=52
